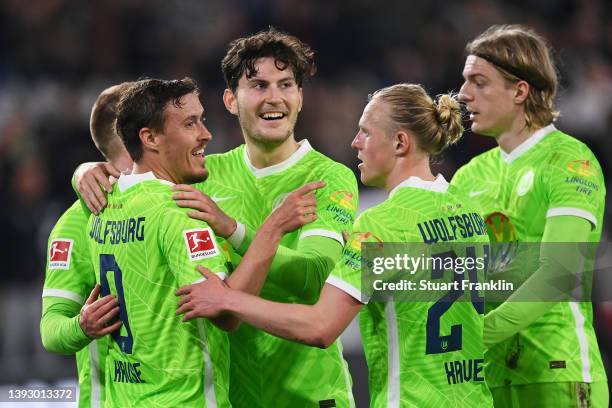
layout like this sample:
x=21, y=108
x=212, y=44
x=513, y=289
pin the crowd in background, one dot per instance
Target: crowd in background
x=57, y=55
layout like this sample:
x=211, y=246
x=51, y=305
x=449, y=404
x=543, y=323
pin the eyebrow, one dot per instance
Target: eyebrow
x=286, y=78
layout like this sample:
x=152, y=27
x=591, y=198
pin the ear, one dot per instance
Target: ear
x=229, y=99
x=149, y=139
x=401, y=143
x=301, y=92
x=521, y=93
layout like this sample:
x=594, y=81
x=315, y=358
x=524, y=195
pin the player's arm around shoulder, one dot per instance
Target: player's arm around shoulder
x=65, y=326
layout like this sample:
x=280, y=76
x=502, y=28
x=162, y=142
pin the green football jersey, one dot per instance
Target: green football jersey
x=425, y=352
x=70, y=275
x=144, y=248
x=267, y=371
x=550, y=174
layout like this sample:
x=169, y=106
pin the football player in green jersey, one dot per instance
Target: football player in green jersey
x=411, y=361
x=143, y=247
x=538, y=185
x=264, y=75
x=70, y=278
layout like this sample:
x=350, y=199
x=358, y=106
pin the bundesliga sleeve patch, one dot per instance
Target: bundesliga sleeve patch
x=200, y=243
x=59, y=253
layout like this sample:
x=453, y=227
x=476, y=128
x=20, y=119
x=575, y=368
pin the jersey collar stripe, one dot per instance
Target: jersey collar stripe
x=527, y=144
x=322, y=233
x=582, y=340
x=439, y=185
x=347, y=288
x=209, y=383
x=129, y=180
x=393, y=380
x=277, y=168
x=66, y=294
x=554, y=212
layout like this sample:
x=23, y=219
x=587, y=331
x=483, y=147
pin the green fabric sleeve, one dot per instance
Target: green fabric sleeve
x=303, y=270
x=555, y=262
x=59, y=326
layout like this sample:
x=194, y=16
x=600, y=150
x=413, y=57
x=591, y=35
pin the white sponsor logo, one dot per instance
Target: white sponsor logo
x=477, y=193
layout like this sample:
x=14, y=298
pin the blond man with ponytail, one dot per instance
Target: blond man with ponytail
x=539, y=185
x=412, y=360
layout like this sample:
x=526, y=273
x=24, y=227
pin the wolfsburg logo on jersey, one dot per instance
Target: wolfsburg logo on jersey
x=60, y=250
x=200, y=243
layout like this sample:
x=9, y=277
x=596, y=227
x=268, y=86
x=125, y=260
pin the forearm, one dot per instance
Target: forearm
x=251, y=274
x=295, y=322
x=301, y=271
x=552, y=282
x=59, y=327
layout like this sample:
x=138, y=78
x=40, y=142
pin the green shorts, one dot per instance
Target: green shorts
x=554, y=395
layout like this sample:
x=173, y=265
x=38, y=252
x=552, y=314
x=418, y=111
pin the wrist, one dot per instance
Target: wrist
x=232, y=225
x=270, y=231
x=229, y=304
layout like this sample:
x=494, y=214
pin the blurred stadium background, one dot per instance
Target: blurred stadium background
x=57, y=55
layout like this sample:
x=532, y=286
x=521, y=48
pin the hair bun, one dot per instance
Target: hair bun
x=448, y=114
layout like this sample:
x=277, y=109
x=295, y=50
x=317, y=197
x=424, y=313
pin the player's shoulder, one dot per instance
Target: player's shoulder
x=560, y=144
x=478, y=164
x=74, y=216
x=325, y=167
x=227, y=159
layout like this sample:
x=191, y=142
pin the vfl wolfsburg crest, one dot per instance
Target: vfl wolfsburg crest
x=525, y=183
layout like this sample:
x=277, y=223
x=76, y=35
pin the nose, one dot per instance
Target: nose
x=273, y=94
x=205, y=133
x=356, y=143
x=464, y=95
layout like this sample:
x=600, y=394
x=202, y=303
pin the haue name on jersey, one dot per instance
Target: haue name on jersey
x=461, y=371
x=119, y=231
x=446, y=228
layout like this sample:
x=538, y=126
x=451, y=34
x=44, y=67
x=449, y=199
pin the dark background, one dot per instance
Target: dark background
x=57, y=55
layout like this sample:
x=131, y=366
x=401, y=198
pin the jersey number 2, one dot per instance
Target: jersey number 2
x=443, y=344
x=108, y=263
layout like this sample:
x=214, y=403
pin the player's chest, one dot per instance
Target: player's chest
x=252, y=199
x=515, y=205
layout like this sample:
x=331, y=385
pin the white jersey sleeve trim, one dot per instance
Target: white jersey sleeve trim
x=66, y=294
x=554, y=212
x=237, y=236
x=221, y=275
x=348, y=288
x=323, y=233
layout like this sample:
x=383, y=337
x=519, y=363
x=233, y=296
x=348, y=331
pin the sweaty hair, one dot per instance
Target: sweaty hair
x=434, y=124
x=287, y=51
x=520, y=54
x=102, y=121
x=143, y=106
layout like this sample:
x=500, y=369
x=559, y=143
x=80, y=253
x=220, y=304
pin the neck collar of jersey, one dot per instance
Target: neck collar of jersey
x=129, y=180
x=439, y=185
x=527, y=144
x=277, y=168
